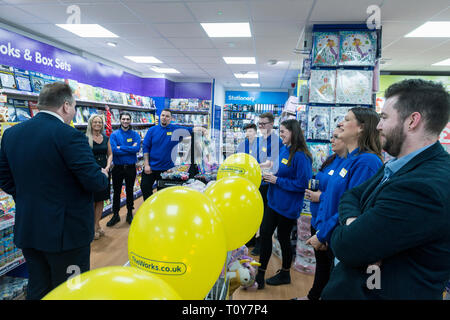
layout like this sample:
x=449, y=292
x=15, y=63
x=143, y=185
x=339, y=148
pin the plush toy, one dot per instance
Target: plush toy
x=241, y=270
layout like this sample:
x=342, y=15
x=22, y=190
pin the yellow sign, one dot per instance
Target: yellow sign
x=159, y=267
x=169, y=133
x=285, y=161
x=343, y=173
x=130, y=140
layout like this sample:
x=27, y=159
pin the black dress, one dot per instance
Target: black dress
x=101, y=156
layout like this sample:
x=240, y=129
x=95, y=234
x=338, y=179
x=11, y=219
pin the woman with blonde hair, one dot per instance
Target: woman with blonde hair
x=101, y=148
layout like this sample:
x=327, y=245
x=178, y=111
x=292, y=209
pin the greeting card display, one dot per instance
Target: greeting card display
x=319, y=123
x=354, y=87
x=337, y=116
x=320, y=152
x=326, y=49
x=358, y=48
x=322, y=86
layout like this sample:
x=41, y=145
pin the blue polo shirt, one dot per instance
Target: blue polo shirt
x=286, y=196
x=159, y=143
x=324, y=176
x=249, y=148
x=356, y=169
x=126, y=154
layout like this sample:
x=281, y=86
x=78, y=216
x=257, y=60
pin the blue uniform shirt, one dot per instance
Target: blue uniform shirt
x=126, y=154
x=323, y=177
x=286, y=196
x=251, y=149
x=159, y=143
x=356, y=169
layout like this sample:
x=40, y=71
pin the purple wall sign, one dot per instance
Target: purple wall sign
x=200, y=90
x=25, y=53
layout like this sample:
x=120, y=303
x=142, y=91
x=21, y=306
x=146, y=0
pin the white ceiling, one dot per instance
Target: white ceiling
x=170, y=30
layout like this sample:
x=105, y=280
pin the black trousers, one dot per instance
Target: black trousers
x=48, y=270
x=324, y=265
x=120, y=173
x=271, y=221
x=147, y=182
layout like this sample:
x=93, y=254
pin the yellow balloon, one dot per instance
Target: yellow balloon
x=177, y=234
x=114, y=283
x=241, y=165
x=241, y=208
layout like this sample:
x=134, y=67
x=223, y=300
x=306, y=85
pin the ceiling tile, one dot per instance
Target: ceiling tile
x=200, y=52
x=280, y=10
x=17, y=16
x=277, y=29
x=177, y=30
x=52, y=13
x=413, y=10
x=342, y=11
x=230, y=11
x=155, y=12
x=107, y=13
x=191, y=43
x=144, y=44
x=233, y=43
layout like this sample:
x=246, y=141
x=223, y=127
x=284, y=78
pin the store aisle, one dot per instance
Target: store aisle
x=111, y=250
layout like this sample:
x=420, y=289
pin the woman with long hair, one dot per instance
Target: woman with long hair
x=284, y=200
x=328, y=170
x=101, y=148
x=362, y=140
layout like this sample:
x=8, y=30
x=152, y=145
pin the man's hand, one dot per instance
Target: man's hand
x=349, y=220
x=313, y=196
x=147, y=169
x=270, y=178
x=314, y=241
x=105, y=172
x=135, y=144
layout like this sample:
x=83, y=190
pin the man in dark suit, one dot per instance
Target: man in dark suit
x=393, y=241
x=49, y=169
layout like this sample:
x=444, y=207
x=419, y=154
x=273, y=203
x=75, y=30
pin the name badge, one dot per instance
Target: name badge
x=130, y=140
x=284, y=161
x=264, y=149
x=331, y=172
x=169, y=133
x=343, y=173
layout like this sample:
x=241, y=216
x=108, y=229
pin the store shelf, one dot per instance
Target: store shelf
x=11, y=265
x=6, y=221
x=34, y=96
x=206, y=112
x=116, y=125
x=190, y=125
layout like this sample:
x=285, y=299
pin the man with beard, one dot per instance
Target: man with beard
x=393, y=241
x=158, y=148
x=125, y=144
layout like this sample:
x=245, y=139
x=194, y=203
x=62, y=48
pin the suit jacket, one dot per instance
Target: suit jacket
x=405, y=224
x=49, y=169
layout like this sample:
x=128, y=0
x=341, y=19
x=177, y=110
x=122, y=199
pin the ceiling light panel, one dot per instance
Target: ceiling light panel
x=246, y=75
x=227, y=30
x=164, y=70
x=143, y=59
x=88, y=30
x=250, y=85
x=431, y=29
x=240, y=60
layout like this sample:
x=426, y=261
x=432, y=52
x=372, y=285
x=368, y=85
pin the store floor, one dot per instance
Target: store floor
x=111, y=250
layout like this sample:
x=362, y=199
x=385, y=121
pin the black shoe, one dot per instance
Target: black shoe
x=115, y=218
x=282, y=277
x=260, y=279
x=129, y=217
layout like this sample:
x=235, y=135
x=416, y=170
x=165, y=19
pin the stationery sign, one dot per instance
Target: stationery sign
x=255, y=97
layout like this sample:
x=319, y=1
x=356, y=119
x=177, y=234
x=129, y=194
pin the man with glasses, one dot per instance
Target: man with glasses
x=269, y=149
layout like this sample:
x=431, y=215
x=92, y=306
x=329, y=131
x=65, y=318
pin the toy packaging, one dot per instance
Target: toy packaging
x=337, y=116
x=322, y=86
x=37, y=81
x=320, y=152
x=319, y=123
x=358, y=48
x=23, y=79
x=326, y=49
x=7, y=79
x=22, y=110
x=354, y=87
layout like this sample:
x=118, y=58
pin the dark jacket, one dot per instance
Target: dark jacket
x=49, y=169
x=405, y=224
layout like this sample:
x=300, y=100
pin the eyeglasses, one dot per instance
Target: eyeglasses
x=262, y=124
